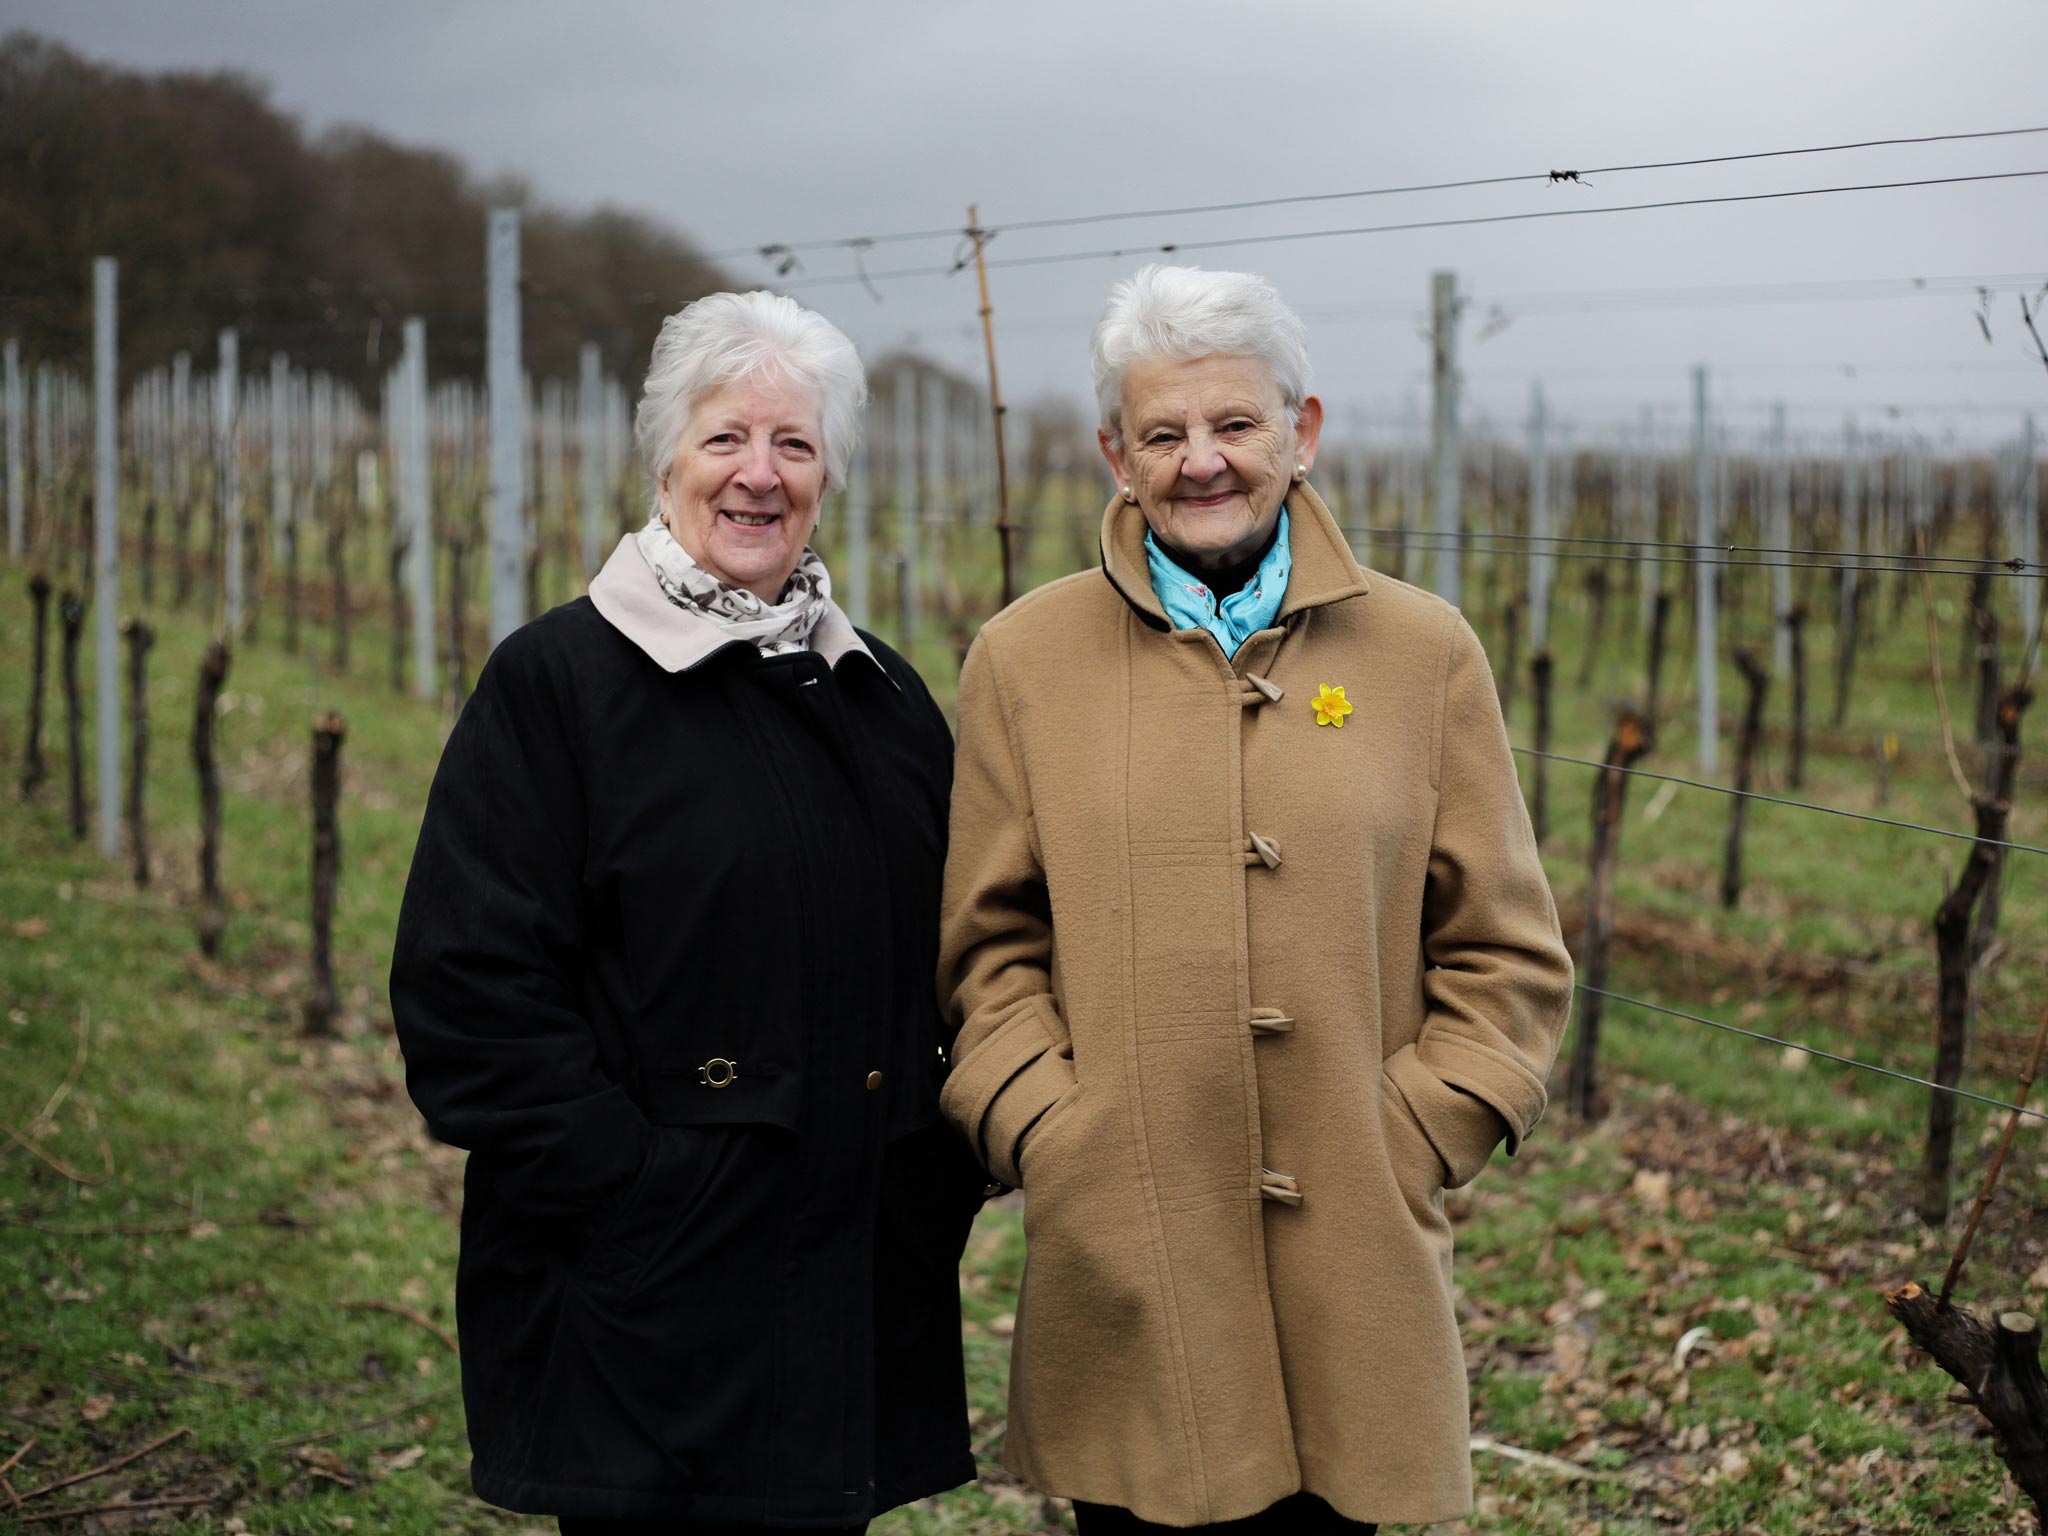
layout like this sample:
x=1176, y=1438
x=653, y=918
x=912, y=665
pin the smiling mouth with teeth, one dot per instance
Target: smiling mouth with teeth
x=753, y=519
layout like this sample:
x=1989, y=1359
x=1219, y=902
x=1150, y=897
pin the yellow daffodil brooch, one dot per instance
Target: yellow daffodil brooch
x=1330, y=705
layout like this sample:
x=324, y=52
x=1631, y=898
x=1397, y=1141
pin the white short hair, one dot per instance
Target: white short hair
x=1189, y=312
x=724, y=337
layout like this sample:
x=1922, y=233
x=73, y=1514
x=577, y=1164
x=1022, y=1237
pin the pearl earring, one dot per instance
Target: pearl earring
x=1301, y=471
x=1128, y=496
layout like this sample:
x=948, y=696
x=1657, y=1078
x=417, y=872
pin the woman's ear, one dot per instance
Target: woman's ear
x=1308, y=431
x=1113, y=455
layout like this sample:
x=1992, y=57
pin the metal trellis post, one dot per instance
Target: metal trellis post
x=1706, y=586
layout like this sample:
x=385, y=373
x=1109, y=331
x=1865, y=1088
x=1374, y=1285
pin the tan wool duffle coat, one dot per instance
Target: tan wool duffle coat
x=1238, y=996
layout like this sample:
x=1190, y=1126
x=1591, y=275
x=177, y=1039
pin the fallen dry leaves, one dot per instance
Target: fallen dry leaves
x=1676, y=1387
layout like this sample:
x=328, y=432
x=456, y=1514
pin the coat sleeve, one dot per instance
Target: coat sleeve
x=1013, y=1056
x=1498, y=978
x=485, y=973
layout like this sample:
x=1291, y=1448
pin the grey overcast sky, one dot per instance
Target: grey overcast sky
x=744, y=123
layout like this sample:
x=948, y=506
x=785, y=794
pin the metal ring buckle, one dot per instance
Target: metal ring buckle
x=718, y=1072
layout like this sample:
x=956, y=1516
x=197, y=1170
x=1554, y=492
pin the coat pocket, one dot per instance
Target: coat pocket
x=680, y=1164
x=1044, y=1128
x=1418, y=1170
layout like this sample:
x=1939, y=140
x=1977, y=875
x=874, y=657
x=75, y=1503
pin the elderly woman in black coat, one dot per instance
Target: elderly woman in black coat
x=664, y=967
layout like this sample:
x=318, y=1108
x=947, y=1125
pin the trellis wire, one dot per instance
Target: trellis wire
x=1908, y=564
x=1422, y=541
x=778, y=248
x=1797, y=805
x=1972, y=561
x=1811, y=1050
x=1172, y=247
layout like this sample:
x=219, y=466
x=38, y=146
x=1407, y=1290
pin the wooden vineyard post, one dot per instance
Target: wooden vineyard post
x=213, y=912
x=1795, y=629
x=321, y=1006
x=1660, y=620
x=1632, y=736
x=140, y=638
x=71, y=615
x=1999, y=1367
x=995, y=401
x=1539, y=679
x=1957, y=972
x=34, y=769
x=1757, y=681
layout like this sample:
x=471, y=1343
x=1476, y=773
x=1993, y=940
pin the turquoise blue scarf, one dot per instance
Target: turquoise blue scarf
x=1253, y=607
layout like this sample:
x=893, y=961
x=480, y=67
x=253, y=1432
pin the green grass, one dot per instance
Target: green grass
x=253, y=1189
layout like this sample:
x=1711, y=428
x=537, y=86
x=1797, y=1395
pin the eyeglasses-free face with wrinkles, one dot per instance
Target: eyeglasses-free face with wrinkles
x=1208, y=451
x=742, y=494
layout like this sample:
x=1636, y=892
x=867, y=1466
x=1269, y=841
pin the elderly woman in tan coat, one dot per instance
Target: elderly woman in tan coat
x=1251, y=957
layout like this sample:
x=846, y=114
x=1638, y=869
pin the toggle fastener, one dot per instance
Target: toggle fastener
x=1273, y=691
x=1271, y=1021
x=1279, y=1188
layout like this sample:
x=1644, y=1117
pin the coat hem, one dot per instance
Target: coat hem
x=1382, y=1513
x=926, y=1481
x=579, y=1500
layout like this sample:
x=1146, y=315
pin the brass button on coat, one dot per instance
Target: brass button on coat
x=874, y=1081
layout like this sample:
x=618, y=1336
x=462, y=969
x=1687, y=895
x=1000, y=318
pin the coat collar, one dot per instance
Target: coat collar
x=1325, y=571
x=630, y=598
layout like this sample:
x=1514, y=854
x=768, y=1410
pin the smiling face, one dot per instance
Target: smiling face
x=742, y=494
x=1209, y=450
